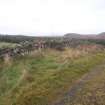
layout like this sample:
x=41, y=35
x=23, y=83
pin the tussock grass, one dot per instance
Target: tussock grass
x=43, y=79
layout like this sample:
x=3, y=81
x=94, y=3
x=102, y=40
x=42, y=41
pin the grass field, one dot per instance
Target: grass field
x=43, y=78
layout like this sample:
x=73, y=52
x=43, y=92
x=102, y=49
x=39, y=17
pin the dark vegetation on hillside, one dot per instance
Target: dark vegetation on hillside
x=22, y=38
x=72, y=38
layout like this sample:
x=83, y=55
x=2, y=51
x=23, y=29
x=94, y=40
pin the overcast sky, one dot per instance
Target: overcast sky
x=47, y=17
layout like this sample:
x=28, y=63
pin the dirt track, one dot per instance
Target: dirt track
x=85, y=91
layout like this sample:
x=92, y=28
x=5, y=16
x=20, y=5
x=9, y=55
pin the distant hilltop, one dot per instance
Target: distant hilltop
x=85, y=36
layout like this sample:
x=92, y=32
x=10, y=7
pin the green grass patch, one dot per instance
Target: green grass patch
x=7, y=45
x=42, y=80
